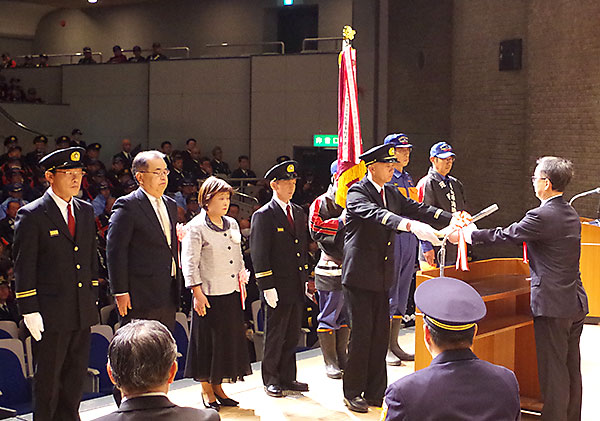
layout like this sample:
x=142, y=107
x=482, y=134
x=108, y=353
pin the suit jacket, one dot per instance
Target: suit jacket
x=55, y=273
x=138, y=255
x=456, y=386
x=553, y=236
x=148, y=408
x=279, y=256
x=370, y=229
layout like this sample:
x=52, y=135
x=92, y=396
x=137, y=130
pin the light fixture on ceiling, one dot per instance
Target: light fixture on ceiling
x=93, y=1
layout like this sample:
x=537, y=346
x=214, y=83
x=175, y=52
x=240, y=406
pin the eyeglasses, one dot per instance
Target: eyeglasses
x=72, y=173
x=534, y=178
x=159, y=173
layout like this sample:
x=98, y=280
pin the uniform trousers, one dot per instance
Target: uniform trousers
x=61, y=361
x=365, y=374
x=559, y=366
x=332, y=311
x=282, y=333
x=405, y=257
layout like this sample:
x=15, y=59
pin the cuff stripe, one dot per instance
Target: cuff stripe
x=263, y=274
x=25, y=294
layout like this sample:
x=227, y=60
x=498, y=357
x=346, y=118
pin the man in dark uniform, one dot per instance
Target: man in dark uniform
x=56, y=285
x=405, y=250
x=76, y=138
x=441, y=190
x=559, y=303
x=33, y=158
x=457, y=385
x=62, y=142
x=375, y=213
x=278, y=241
x=326, y=227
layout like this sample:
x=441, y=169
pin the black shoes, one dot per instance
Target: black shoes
x=296, y=386
x=274, y=390
x=357, y=404
x=211, y=405
x=226, y=401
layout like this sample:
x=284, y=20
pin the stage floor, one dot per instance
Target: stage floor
x=324, y=401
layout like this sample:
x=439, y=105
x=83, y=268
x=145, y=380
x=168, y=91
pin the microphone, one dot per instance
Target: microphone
x=585, y=193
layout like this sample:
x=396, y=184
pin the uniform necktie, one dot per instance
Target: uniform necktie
x=70, y=221
x=290, y=219
x=383, y=197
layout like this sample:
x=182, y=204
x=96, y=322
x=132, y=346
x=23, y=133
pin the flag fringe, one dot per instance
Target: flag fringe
x=346, y=179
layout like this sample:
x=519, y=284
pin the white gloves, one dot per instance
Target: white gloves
x=424, y=232
x=35, y=324
x=271, y=297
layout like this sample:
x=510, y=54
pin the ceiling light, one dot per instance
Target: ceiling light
x=93, y=1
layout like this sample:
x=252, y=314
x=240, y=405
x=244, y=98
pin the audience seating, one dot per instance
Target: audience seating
x=15, y=385
x=105, y=313
x=100, y=339
x=8, y=330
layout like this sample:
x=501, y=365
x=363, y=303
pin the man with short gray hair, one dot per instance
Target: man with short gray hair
x=142, y=246
x=142, y=363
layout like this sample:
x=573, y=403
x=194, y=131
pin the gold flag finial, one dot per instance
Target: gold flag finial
x=348, y=33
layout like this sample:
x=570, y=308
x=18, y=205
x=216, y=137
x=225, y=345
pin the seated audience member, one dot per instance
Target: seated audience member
x=218, y=165
x=118, y=164
x=7, y=225
x=8, y=62
x=27, y=62
x=62, y=142
x=92, y=153
x=166, y=148
x=76, y=138
x=192, y=207
x=126, y=153
x=32, y=97
x=137, y=55
x=118, y=56
x=9, y=142
x=8, y=307
x=234, y=211
x=176, y=175
x=187, y=153
x=206, y=169
x=32, y=159
x=457, y=385
x=142, y=363
x=42, y=61
x=157, y=54
x=15, y=193
x=99, y=202
x=282, y=158
x=243, y=170
x=87, y=56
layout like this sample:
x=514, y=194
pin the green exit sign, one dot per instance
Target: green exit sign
x=325, y=140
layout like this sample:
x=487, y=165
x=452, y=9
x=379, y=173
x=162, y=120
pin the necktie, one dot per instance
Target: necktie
x=290, y=219
x=70, y=221
x=164, y=223
x=383, y=197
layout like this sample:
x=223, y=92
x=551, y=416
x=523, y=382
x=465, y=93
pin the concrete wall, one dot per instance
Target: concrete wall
x=292, y=99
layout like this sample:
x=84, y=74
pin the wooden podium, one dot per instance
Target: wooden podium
x=505, y=335
x=589, y=265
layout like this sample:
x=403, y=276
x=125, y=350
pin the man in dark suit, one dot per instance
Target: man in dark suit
x=457, y=385
x=56, y=268
x=142, y=246
x=278, y=239
x=375, y=213
x=125, y=153
x=142, y=363
x=7, y=225
x=559, y=303
x=8, y=309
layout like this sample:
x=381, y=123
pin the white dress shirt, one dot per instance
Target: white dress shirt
x=62, y=205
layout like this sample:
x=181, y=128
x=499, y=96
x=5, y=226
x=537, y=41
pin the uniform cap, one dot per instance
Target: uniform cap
x=380, y=153
x=449, y=304
x=397, y=140
x=286, y=170
x=441, y=150
x=63, y=139
x=10, y=139
x=95, y=146
x=63, y=159
x=40, y=138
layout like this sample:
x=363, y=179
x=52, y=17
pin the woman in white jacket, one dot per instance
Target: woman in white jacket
x=214, y=270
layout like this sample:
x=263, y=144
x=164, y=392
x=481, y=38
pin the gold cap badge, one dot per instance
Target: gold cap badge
x=290, y=168
x=75, y=156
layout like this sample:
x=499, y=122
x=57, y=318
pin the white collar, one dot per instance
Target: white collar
x=152, y=199
x=280, y=202
x=377, y=186
x=60, y=202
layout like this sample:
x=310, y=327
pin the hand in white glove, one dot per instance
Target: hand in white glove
x=424, y=232
x=271, y=297
x=467, y=231
x=35, y=324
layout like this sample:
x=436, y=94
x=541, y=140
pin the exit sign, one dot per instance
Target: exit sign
x=325, y=140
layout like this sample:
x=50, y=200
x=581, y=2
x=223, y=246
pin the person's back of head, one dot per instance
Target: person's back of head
x=142, y=358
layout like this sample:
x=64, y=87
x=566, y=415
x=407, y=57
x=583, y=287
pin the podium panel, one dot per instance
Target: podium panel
x=505, y=335
x=589, y=265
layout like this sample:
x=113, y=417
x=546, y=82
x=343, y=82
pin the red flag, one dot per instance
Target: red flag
x=350, y=167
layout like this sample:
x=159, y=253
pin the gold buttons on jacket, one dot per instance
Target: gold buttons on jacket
x=298, y=254
x=80, y=285
x=300, y=268
x=385, y=258
x=295, y=240
x=76, y=248
x=389, y=243
x=78, y=266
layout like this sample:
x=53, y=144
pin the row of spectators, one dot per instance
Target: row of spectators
x=13, y=91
